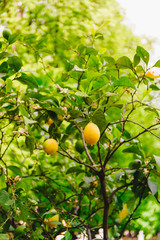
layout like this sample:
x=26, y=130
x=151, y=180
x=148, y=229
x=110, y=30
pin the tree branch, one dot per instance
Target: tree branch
x=85, y=146
x=119, y=188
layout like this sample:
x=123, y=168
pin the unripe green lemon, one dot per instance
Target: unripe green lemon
x=50, y=146
x=79, y=146
x=91, y=133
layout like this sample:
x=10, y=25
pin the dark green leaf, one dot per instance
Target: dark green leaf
x=154, y=87
x=15, y=63
x=99, y=36
x=153, y=187
x=74, y=170
x=30, y=143
x=124, y=63
x=144, y=55
x=99, y=119
x=12, y=38
x=6, y=34
x=75, y=113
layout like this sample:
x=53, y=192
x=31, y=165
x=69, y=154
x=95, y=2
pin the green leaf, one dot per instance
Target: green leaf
x=30, y=143
x=12, y=38
x=36, y=235
x=125, y=82
x=144, y=55
x=25, y=184
x=75, y=113
x=99, y=119
x=124, y=63
x=15, y=63
x=4, y=197
x=67, y=236
x=4, y=236
x=19, y=231
x=2, y=180
x=93, y=62
x=136, y=60
x=23, y=111
x=157, y=159
x=133, y=149
x=153, y=187
x=110, y=61
x=116, y=132
x=157, y=64
x=81, y=94
x=23, y=211
x=8, y=85
x=154, y=87
x=27, y=80
x=28, y=121
x=15, y=171
x=91, y=51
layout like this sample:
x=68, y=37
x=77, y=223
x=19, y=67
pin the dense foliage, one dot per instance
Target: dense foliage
x=49, y=71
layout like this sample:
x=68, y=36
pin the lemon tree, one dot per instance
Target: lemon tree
x=97, y=161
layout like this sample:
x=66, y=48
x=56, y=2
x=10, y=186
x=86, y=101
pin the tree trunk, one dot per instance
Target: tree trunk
x=106, y=207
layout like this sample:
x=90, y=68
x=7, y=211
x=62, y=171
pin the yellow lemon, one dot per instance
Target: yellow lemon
x=51, y=221
x=91, y=133
x=50, y=121
x=50, y=146
x=151, y=75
